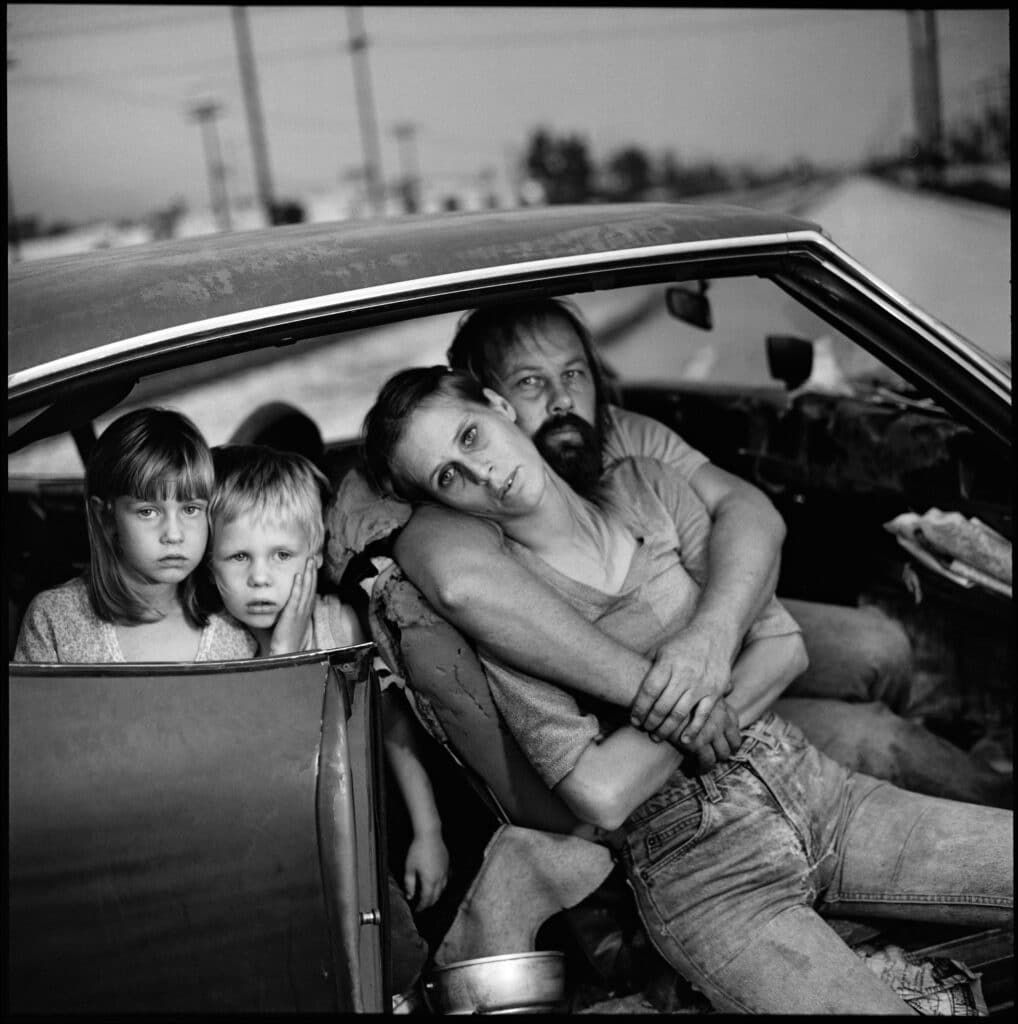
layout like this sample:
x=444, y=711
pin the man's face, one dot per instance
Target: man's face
x=546, y=378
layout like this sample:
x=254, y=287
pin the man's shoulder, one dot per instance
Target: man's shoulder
x=636, y=470
x=632, y=433
x=642, y=473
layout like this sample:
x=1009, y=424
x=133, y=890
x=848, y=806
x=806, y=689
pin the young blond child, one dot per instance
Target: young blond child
x=267, y=536
x=148, y=482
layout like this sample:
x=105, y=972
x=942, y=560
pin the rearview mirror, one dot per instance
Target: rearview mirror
x=689, y=303
x=789, y=359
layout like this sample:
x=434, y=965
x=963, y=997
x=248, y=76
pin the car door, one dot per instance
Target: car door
x=196, y=837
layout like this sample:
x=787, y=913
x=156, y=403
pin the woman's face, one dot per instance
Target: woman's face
x=472, y=457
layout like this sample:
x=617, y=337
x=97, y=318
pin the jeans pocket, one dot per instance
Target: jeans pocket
x=669, y=834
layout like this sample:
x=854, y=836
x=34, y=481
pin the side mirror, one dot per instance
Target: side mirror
x=689, y=303
x=789, y=359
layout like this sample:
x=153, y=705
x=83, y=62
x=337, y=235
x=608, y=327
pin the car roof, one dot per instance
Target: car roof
x=66, y=306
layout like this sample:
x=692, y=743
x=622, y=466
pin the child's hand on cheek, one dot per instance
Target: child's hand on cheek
x=292, y=631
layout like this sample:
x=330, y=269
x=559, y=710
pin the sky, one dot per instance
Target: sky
x=98, y=95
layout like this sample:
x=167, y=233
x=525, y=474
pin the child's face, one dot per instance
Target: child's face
x=161, y=541
x=254, y=561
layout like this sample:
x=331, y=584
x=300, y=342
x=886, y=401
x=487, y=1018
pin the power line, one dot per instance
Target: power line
x=330, y=51
x=142, y=99
x=537, y=37
x=67, y=31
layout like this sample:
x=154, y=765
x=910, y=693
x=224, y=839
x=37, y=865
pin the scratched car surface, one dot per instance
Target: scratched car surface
x=213, y=837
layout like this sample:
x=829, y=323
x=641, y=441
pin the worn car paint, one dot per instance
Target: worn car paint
x=67, y=305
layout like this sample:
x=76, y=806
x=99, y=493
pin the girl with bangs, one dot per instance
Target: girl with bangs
x=148, y=483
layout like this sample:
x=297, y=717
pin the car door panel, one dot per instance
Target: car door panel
x=164, y=846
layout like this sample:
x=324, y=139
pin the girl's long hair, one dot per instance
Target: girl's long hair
x=151, y=454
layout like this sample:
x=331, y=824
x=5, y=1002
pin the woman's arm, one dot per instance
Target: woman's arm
x=762, y=672
x=461, y=566
x=612, y=778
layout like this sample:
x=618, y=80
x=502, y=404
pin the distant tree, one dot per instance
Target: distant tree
x=679, y=180
x=629, y=174
x=562, y=166
x=287, y=211
x=164, y=222
x=22, y=228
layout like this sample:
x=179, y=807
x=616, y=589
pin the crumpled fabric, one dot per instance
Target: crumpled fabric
x=936, y=987
x=964, y=550
x=356, y=517
x=526, y=876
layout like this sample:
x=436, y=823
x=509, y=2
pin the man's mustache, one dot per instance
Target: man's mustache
x=588, y=434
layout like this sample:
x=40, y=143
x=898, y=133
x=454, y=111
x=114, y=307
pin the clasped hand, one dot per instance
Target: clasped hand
x=681, y=699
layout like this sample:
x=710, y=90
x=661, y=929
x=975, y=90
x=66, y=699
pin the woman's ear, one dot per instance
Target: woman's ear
x=500, y=404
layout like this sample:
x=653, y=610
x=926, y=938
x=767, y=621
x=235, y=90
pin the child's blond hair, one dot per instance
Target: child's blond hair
x=271, y=485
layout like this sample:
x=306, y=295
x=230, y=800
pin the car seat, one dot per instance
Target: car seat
x=284, y=427
x=448, y=691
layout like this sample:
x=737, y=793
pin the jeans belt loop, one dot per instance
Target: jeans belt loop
x=710, y=787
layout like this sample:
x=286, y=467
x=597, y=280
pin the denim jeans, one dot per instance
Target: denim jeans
x=871, y=738
x=855, y=654
x=733, y=870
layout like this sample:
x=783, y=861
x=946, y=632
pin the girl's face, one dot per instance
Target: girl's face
x=161, y=541
x=472, y=457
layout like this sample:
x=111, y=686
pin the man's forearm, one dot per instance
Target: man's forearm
x=743, y=563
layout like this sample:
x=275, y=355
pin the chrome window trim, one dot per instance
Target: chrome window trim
x=895, y=304
x=818, y=244
x=292, y=311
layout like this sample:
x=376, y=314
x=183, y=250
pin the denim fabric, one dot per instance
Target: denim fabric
x=855, y=654
x=733, y=870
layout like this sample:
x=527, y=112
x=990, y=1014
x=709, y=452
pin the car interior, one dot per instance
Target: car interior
x=840, y=444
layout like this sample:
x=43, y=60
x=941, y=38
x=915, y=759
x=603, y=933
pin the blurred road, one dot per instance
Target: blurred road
x=949, y=256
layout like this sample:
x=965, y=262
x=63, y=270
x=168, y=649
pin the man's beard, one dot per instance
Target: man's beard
x=576, y=460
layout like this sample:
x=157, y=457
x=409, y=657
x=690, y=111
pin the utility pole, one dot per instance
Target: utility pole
x=13, y=234
x=366, y=109
x=406, y=138
x=205, y=113
x=922, y=26
x=253, y=109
